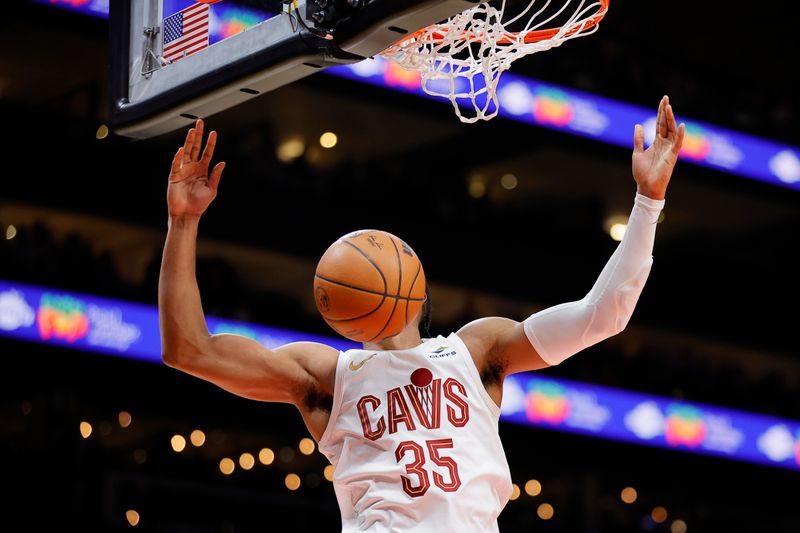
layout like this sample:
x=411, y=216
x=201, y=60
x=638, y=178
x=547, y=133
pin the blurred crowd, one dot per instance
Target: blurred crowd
x=32, y=254
x=736, y=105
x=757, y=97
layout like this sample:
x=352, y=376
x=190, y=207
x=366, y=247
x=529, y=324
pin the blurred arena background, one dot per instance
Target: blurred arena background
x=508, y=217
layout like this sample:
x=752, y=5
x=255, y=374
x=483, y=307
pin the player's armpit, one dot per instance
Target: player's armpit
x=246, y=368
x=500, y=345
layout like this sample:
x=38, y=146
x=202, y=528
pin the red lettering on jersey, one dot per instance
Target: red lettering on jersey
x=415, y=467
x=371, y=434
x=398, y=411
x=446, y=462
x=424, y=400
x=450, y=388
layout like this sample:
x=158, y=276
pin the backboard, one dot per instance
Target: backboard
x=173, y=61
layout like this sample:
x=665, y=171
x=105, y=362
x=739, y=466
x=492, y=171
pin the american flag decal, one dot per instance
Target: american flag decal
x=186, y=32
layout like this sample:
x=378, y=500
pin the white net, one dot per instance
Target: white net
x=462, y=58
x=424, y=394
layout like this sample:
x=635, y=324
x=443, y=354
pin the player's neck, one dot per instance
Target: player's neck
x=408, y=338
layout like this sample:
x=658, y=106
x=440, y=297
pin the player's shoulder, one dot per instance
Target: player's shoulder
x=481, y=334
x=310, y=354
x=318, y=360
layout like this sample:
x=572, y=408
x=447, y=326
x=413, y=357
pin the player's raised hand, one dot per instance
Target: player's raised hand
x=652, y=168
x=191, y=189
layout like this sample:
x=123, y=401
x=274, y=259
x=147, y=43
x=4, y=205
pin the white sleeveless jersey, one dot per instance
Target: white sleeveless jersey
x=413, y=439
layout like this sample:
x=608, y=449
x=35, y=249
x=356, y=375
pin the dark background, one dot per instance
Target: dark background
x=716, y=323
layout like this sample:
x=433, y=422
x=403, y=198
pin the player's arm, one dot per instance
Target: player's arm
x=235, y=363
x=554, y=334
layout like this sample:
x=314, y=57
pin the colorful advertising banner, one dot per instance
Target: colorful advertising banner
x=574, y=407
x=112, y=327
x=95, y=8
x=90, y=323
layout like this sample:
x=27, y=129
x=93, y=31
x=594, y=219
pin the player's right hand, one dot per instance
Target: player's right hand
x=652, y=168
x=191, y=189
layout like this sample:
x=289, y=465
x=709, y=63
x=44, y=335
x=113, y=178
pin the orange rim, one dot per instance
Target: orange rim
x=532, y=36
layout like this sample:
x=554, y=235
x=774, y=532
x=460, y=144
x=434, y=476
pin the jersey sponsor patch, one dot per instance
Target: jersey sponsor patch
x=441, y=351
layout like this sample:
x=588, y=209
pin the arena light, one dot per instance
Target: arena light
x=328, y=472
x=545, y=511
x=306, y=446
x=615, y=225
x=132, y=517
x=658, y=514
x=101, y=133
x=328, y=139
x=266, y=456
x=226, y=466
x=533, y=487
x=617, y=231
x=178, y=443
x=11, y=232
x=476, y=186
x=514, y=492
x=124, y=418
x=247, y=461
x=86, y=429
x=509, y=181
x=290, y=149
x=678, y=526
x=197, y=438
x=628, y=495
x=292, y=481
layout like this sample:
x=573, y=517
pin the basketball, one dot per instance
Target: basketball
x=369, y=285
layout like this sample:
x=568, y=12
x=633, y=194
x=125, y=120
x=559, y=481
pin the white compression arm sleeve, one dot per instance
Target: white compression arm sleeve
x=563, y=330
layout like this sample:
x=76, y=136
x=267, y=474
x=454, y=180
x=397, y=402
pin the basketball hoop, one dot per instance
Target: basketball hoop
x=463, y=57
x=422, y=380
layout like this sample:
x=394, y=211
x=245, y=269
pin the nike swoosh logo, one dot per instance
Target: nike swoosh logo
x=355, y=366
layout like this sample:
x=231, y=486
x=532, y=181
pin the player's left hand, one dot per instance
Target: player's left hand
x=652, y=168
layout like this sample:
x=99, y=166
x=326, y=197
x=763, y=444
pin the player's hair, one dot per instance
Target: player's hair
x=425, y=315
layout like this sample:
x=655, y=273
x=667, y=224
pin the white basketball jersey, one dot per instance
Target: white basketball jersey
x=413, y=439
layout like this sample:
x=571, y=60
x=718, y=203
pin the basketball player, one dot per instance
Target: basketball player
x=410, y=424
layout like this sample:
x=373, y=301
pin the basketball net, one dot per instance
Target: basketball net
x=464, y=56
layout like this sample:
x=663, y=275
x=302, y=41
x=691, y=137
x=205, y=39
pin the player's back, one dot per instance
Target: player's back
x=413, y=437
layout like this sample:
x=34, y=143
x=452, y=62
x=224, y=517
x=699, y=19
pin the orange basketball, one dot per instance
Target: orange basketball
x=369, y=284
